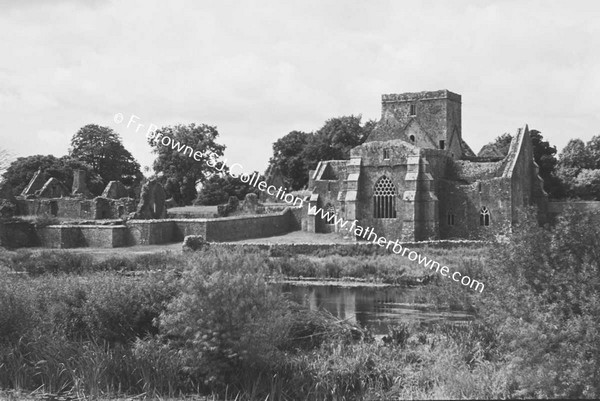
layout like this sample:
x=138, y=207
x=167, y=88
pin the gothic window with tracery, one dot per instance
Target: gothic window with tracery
x=384, y=199
x=484, y=216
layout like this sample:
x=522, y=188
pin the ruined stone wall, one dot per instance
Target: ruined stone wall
x=438, y=115
x=374, y=166
x=185, y=227
x=75, y=208
x=465, y=202
x=389, y=228
x=296, y=215
x=521, y=169
x=237, y=228
x=150, y=232
x=18, y=235
x=82, y=236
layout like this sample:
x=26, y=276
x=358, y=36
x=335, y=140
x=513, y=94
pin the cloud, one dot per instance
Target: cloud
x=258, y=70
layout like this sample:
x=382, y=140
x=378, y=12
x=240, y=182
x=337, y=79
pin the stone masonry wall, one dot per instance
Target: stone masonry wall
x=18, y=235
x=75, y=208
x=466, y=201
x=149, y=232
x=438, y=114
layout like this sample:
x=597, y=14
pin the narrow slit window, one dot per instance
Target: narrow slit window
x=386, y=154
x=413, y=109
x=450, y=218
x=330, y=209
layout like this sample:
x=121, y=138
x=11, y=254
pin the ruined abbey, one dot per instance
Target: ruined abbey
x=415, y=178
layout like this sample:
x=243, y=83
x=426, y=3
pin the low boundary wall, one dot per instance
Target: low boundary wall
x=148, y=232
x=76, y=236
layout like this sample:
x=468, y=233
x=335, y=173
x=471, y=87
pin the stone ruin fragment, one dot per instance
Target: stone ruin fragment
x=152, y=201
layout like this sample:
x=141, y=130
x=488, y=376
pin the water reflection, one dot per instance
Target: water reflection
x=376, y=308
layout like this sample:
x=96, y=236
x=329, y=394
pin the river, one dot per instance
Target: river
x=375, y=308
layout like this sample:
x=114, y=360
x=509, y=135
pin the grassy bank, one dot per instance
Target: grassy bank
x=209, y=323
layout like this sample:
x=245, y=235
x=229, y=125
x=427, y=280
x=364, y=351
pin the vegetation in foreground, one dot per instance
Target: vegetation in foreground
x=210, y=323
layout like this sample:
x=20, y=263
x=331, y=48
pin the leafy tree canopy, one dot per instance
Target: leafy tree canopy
x=545, y=157
x=218, y=188
x=593, y=147
x=176, y=167
x=579, y=169
x=295, y=154
x=288, y=159
x=576, y=155
x=5, y=159
x=101, y=148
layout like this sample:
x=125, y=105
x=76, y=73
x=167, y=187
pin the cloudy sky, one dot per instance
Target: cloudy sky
x=258, y=70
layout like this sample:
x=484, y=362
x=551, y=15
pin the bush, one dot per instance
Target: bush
x=543, y=300
x=51, y=262
x=227, y=320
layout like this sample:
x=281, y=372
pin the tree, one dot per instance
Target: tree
x=544, y=306
x=498, y=148
x=21, y=171
x=334, y=140
x=503, y=143
x=5, y=158
x=593, y=147
x=586, y=184
x=183, y=170
x=574, y=158
x=295, y=154
x=288, y=160
x=218, y=188
x=545, y=157
x=101, y=148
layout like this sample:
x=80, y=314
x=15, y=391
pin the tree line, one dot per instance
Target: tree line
x=572, y=174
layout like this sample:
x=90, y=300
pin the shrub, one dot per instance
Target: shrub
x=543, y=299
x=52, y=262
x=227, y=320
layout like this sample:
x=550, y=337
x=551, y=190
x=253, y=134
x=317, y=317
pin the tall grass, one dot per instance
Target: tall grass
x=210, y=324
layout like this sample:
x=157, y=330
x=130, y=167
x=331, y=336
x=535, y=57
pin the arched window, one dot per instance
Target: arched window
x=330, y=209
x=484, y=216
x=384, y=199
x=412, y=138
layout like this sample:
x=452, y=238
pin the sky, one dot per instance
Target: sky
x=259, y=69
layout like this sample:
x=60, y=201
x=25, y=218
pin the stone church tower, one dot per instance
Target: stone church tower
x=414, y=178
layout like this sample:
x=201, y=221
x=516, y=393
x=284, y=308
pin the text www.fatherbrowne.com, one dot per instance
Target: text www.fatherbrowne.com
x=370, y=235
x=280, y=193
